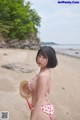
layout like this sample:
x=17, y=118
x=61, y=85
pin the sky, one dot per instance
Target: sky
x=60, y=22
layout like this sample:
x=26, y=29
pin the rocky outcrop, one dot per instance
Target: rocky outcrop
x=23, y=44
x=2, y=43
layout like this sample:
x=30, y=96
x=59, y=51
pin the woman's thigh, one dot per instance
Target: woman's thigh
x=43, y=116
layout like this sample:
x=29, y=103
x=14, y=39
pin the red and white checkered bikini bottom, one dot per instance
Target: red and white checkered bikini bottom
x=48, y=109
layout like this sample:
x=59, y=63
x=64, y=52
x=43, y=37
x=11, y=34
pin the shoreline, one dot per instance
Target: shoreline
x=71, y=50
x=75, y=53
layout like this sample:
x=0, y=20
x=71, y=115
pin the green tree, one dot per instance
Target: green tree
x=4, y=19
x=19, y=20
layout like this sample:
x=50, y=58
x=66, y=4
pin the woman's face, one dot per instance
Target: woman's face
x=42, y=61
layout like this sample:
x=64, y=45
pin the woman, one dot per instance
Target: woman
x=42, y=109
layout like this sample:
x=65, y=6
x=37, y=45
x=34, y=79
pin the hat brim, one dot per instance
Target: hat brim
x=24, y=90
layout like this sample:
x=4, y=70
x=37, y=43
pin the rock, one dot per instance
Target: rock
x=63, y=88
x=19, y=68
x=9, y=66
x=25, y=47
x=3, y=45
x=76, y=53
x=5, y=54
x=15, y=43
x=23, y=44
x=34, y=47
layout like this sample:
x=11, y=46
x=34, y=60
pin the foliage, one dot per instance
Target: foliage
x=18, y=20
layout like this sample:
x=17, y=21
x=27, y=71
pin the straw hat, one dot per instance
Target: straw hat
x=24, y=90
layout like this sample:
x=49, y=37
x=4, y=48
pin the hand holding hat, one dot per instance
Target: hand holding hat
x=24, y=90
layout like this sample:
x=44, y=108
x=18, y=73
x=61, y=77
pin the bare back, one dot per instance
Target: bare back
x=45, y=76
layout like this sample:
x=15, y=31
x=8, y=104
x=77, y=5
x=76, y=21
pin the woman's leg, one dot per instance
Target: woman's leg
x=46, y=112
x=43, y=116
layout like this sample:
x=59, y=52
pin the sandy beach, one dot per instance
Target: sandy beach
x=65, y=92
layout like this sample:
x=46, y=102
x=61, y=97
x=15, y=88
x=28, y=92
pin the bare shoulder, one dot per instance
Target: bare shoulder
x=41, y=81
x=43, y=76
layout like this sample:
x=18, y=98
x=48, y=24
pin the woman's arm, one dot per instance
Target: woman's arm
x=41, y=88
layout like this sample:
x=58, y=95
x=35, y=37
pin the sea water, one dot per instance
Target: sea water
x=67, y=49
x=67, y=46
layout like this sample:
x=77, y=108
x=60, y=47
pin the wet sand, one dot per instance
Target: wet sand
x=65, y=84
x=69, y=52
